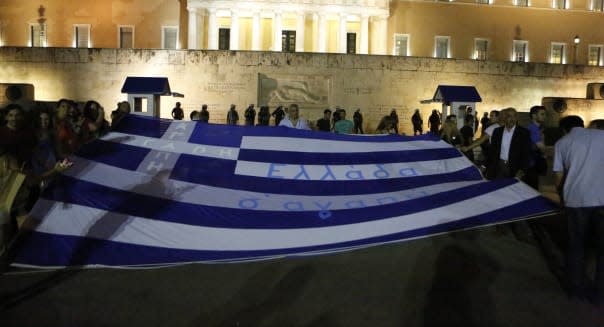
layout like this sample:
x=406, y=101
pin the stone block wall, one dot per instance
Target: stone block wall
x=376, y=84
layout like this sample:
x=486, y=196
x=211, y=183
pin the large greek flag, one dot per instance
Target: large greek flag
x=160, y=192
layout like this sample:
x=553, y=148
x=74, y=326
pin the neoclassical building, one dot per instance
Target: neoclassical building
x=293, y=26
x=545, y=31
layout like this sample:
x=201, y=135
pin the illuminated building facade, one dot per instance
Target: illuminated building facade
x=548, y=31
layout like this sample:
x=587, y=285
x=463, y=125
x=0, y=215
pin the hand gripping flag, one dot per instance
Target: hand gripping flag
x=161, y=192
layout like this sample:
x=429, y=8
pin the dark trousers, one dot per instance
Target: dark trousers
x=580, y=222
x=358, y=128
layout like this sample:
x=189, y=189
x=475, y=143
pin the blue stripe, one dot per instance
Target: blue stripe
x=382, y=157
x=142, y=125
x=217, y=135
x=41, y=249
x=213, y=172
x=115, y=154
x=121, y=201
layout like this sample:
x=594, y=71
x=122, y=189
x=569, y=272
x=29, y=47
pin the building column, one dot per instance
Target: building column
x=212, y=30
x=256, y=31
x=378, y=36
x=364, y=47
x=342, y=34
x=300, y=26
x=234, y=41
x=192, y=41
x=322, y=33
x=278, y=31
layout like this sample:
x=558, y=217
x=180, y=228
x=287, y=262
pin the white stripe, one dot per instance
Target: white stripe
x=200, y=194
x=76, y=220
x=351, y=172
x=334, y=146
x=179, y=147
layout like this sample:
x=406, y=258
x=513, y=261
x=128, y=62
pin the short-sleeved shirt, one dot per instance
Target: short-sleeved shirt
x=301, y=124
x=581, y=153
x=343, y=126
x=535, y=133
x=324, y=125
x=489, y=130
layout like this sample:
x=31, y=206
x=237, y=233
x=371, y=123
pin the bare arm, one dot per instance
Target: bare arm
x=483, y=138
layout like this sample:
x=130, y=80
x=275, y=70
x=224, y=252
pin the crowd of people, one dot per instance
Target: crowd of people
x=36, y=144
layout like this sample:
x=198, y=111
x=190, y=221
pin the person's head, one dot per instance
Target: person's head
x=342, y=114
x=417, y=111
x=44, y=120
x=326, y=114
x=194, y=115
x=63, y=108
x=204, y=107
x=124, y=107
x=494, y=116
x=336, y=115
x=597, y=124
x=486, y=114
x=294, y=111
x=509, y=117
x=177, y=104
x=91, y=109
x=569, y=122
x=15, y=116
x=434, y=112
x=73, y=111
x=537, y=114
x=358, y=110
x=232, y=107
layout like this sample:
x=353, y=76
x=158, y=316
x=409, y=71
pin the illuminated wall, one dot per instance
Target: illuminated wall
x=376, y=84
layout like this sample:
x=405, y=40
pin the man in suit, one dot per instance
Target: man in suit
x=510, y=149
x=510, y=156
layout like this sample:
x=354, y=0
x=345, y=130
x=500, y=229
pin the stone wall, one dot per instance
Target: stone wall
x=376, y=84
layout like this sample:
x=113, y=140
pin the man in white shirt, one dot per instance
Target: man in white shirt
x=293, y=120
x=510, y=149
x=578, y=159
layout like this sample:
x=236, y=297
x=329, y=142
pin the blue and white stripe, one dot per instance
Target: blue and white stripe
x=157, y=192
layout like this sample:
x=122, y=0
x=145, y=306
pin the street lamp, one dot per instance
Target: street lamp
x=577, y=40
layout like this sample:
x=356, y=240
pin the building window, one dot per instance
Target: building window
x=401, y=44
x=481, y=47
x=224, y=38
x=81, y=36
x=37, y=35
x=484, y=2
x=351, y=43
x=520, y=51
x=595, y=55
x=560, y=4
x=558, y=53
x=597, y=5
x=522, y=3
x=441, y=46
x=169, y=37
x=288, y=41
x=125, y=37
